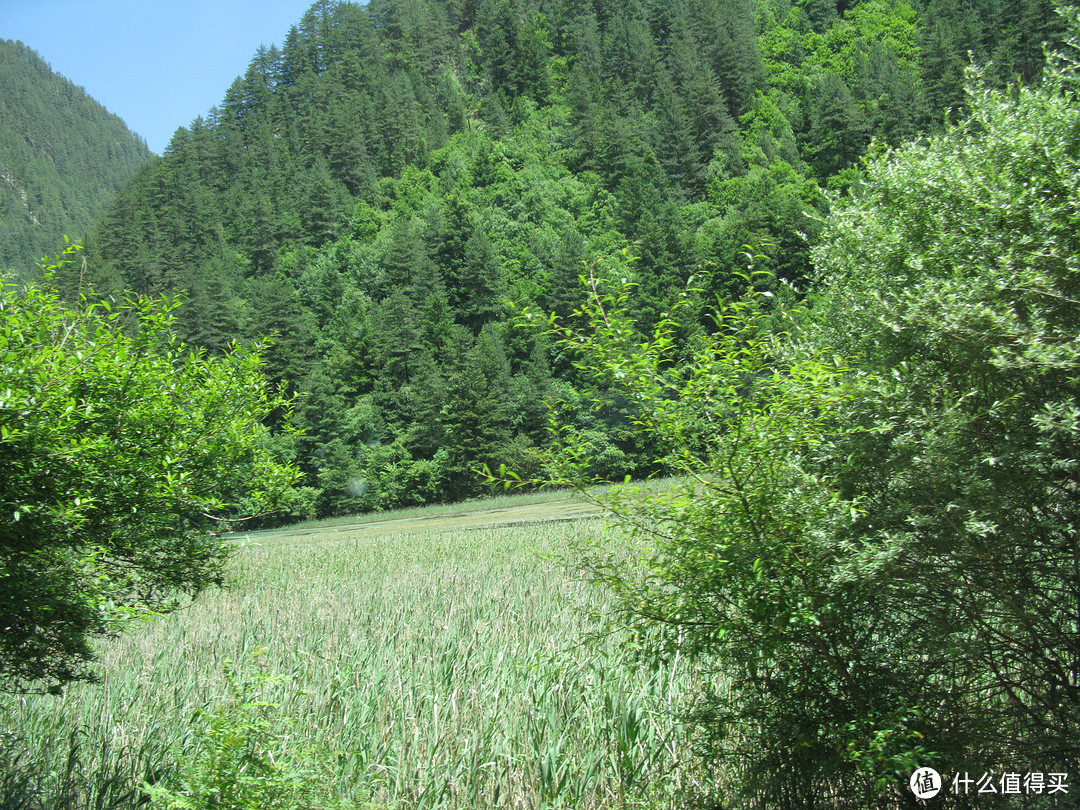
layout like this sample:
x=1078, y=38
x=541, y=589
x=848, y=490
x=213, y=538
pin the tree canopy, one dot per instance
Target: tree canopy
x=125, y=455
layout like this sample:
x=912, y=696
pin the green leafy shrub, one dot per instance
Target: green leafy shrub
x=873, y=542
x=247, y=757
x=125, y=454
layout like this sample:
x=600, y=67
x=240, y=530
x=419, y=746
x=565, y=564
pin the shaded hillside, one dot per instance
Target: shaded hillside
x=62, y=158
x=387, y=186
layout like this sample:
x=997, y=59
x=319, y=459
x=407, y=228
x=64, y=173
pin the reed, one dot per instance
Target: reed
x=442, y=669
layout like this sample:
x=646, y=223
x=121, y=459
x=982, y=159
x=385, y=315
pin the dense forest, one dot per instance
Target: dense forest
x=63, y=157
x=388, y=187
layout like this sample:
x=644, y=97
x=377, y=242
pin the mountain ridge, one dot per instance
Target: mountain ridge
x=63, y=156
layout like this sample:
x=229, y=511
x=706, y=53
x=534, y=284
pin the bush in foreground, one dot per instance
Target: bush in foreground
x=875, y=542
x=124, y=452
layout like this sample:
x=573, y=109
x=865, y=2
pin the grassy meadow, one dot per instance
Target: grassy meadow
x=430, y=664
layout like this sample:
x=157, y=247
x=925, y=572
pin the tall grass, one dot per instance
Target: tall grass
x=440, y=670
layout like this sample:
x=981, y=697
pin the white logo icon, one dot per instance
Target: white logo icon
x=925, y=783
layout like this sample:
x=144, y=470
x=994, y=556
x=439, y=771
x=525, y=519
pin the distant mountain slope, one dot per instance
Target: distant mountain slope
x=62, y=158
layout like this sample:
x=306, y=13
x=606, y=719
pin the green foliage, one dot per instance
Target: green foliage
x=397, y=173
x=739, y=568
x=64, y=157
x=872, y=544
x=961, y=295
x=241, y=762
x=124, y=455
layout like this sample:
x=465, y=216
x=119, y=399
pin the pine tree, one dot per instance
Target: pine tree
x=838, y=128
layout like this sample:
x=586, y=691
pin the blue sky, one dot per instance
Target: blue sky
x=158, y=64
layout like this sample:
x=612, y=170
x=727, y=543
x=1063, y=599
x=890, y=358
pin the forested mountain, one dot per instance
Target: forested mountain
x=383, y=190
x=62, y=158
